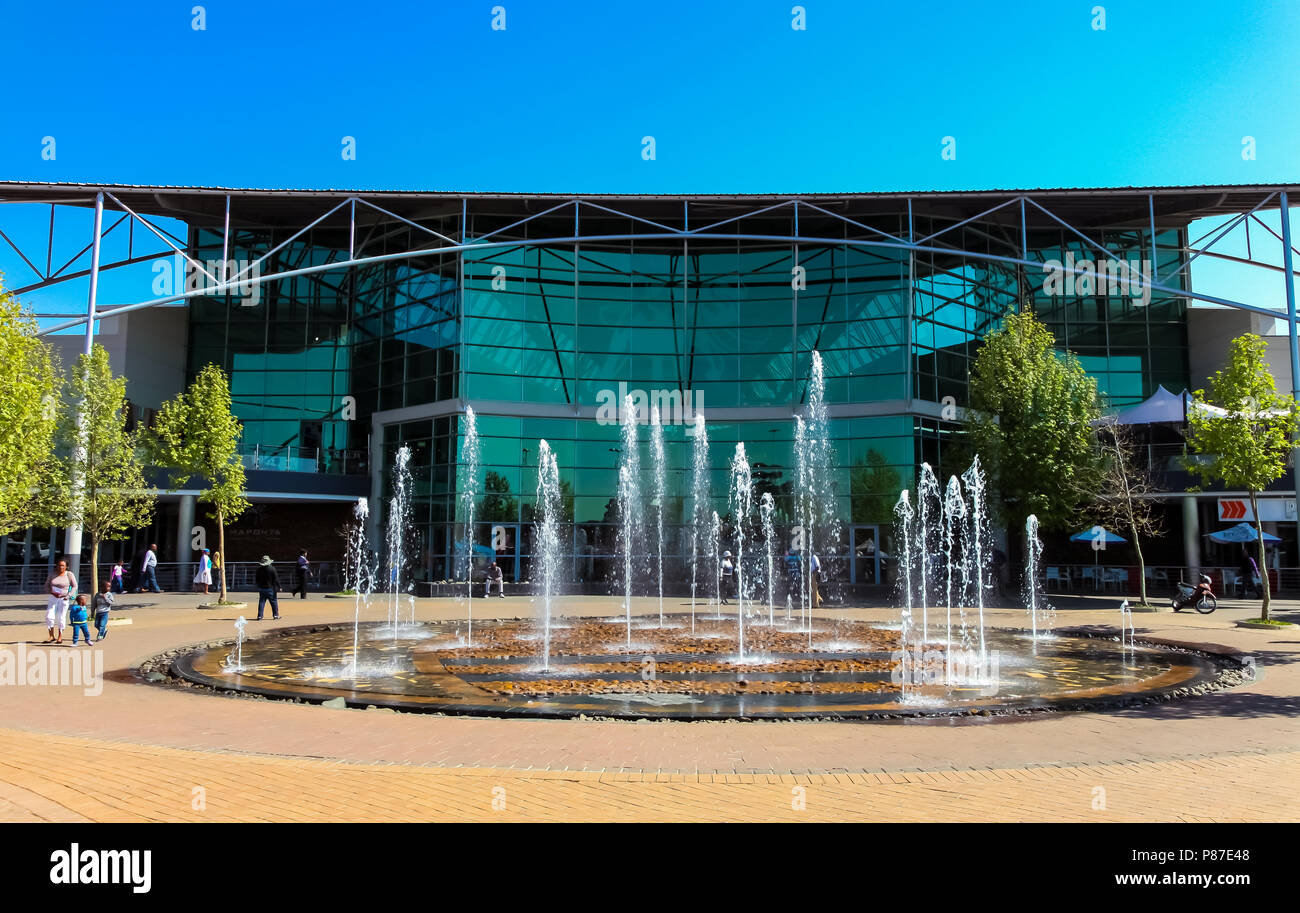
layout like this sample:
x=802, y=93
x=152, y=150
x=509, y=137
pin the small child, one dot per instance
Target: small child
x=119, y=578
x=78, y=618
x=103, y=603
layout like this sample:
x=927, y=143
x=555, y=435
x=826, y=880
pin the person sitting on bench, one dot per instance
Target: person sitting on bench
x=494, y=575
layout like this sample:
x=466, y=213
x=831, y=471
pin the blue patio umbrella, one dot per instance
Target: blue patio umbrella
x=1242, y=532
x=1097, y=534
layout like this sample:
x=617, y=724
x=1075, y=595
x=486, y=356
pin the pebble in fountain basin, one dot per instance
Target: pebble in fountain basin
x=849, y=673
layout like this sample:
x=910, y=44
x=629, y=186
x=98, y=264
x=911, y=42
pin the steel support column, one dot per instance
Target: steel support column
x=1288, y=273
x=72, y=535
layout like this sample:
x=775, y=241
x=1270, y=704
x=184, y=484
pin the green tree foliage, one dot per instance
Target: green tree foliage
x=1032, y=409
x=497, y=506
x=1247, y=433
x=196, y=434
x=874, y=487
x=102, y=473
x=29, y=407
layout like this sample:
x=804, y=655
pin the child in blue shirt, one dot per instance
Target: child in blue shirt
x=78, y=617
x=103, y=603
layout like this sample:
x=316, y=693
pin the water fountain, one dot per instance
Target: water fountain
x=766, y=507
x=661, y=495
x=802, y=514
x=954, y=558
x=823, y=518
x=715, y=537
x=927, y=504
x=547, y=538
x=1033, y=558
x=741, y=501
x=699, y=500
x=469, y=456
x=629, y=501
x=399, y=522
x=234, y=662
x=1126, y=626
x=358, y=571
x=973, y=478
x=904, y=514
x=591, y=667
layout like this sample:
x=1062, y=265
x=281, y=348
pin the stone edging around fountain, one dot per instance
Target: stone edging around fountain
x=1233, y=668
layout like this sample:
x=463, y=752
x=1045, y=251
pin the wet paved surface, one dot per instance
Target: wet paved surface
x=1223, y=756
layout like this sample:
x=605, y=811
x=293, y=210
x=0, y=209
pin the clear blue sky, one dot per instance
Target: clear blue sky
x=736, y=99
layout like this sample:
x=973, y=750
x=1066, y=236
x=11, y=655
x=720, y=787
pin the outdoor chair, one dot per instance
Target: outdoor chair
x=1054, y=575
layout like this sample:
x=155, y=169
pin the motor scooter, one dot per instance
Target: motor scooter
x=1199, y=597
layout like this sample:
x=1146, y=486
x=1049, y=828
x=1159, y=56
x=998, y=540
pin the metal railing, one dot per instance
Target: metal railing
x=1122, y=579
x=174, y=577
x=292, y=458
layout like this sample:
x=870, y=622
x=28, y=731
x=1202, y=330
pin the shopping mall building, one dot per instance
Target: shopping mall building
x=354, y=323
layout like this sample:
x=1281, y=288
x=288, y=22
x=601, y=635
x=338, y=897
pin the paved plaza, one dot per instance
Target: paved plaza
x=156, y=752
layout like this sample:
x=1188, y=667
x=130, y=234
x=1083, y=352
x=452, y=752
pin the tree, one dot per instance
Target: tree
x=873, y=487
x=1245, y=429
x=196, y=434
x=103, y=476
x=1032, y=414
x=29, y=400
x=1124, y=494
x=497, y=506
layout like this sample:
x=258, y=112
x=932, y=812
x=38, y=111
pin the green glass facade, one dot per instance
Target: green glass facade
x=535, y=330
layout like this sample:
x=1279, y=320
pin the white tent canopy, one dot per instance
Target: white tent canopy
x=1163, y=406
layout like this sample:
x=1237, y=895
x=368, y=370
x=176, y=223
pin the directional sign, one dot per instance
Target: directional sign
x=1235, y=509
x=1271, y=510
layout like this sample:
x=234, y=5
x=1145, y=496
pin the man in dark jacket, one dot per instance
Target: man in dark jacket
x=268, y=584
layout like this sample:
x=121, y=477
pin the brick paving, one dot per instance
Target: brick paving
x=1217, y=757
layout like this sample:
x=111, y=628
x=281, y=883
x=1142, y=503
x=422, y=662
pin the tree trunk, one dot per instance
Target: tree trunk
x=1263, y=567
x=225, y=559
x=94, y=564
x=1142, y=566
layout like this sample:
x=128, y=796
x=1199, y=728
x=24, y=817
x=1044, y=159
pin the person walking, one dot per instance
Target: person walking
x=216, y=570
x=300, y=575
x=728, y=572
x=61, y=587
x=268, y=585
x=204, y=576
x=117, y=577
x=102, y=605
x=80, y=618
x=148, y=570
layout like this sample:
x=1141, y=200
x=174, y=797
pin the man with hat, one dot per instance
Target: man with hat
x=268, y=584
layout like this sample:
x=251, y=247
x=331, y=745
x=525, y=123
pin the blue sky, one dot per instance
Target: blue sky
x=736, y=99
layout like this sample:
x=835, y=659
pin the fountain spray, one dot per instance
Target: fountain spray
x=629, y=501
x=547, y=520
x=469, y=458
x=699, y=500
x=742, y=492
x=657, y=451
x=766, y=508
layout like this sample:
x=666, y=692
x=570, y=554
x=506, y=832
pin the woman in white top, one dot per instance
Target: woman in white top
x=61, y=586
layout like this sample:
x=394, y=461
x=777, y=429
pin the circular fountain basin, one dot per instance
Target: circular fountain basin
x=852, y=670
